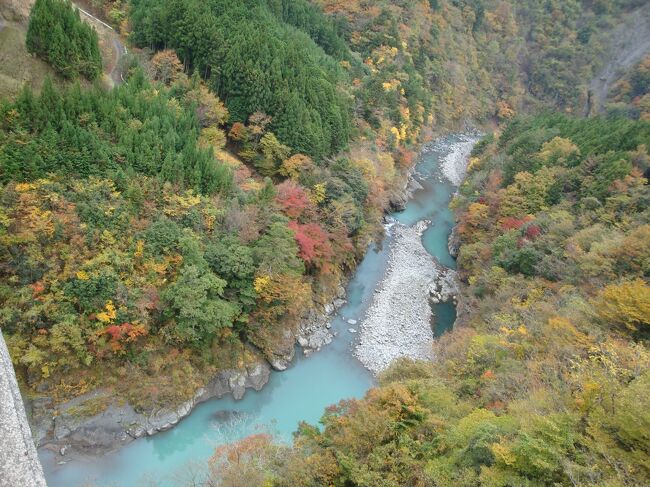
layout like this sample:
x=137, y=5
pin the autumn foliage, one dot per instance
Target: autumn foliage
x=120, y=335
x=313, y=241
x=292, y=199
x=545, y=378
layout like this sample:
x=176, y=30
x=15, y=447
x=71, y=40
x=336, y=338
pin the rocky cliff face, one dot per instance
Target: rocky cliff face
x=70, y=433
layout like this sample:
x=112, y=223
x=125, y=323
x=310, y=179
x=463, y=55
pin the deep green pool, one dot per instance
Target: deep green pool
x=299, y=394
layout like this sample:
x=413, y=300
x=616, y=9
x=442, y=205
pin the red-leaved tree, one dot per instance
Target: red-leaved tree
x=292, y=198
x=313, y=242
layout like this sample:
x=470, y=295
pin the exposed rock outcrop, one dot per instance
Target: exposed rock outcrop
x=399, y=200
x=283, y=351
x=453, y=243
x=315, y=330
x=444, y=287
x=72, y=433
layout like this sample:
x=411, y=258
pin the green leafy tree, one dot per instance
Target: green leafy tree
x=196, y=305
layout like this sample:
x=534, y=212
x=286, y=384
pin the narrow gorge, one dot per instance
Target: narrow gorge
x=412, y=257
x=309, y=243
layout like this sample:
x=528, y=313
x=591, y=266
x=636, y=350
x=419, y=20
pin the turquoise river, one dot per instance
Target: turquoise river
x=300, y=393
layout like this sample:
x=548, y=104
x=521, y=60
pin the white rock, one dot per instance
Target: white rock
x=454, y=164
x=352, y=330
x=352, y=322
x=397, y=324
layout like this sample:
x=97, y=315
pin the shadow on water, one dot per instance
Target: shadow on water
x=443, y=318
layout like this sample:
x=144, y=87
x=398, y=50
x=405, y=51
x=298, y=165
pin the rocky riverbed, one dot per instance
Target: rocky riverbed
x=398, y=322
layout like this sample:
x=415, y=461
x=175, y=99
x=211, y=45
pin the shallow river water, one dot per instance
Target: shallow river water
x=300, y=393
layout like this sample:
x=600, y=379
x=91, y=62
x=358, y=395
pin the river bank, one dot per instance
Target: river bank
x=95, y=423
x=70, y=434
x=313, y=380
x=73, y=430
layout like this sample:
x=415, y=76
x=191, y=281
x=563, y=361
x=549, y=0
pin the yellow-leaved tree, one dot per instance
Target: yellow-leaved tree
x=627, y=304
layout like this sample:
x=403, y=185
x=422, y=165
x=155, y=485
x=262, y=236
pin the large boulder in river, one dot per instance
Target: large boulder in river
x=453, y=243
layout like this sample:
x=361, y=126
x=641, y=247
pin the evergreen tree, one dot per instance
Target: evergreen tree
x=269, y=56
x=57, y=34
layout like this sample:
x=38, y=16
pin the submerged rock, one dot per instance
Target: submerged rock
x=227, y=415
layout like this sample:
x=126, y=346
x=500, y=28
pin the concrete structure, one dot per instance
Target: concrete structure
x=19, y=464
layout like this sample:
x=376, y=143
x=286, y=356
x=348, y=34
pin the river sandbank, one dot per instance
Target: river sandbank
x=398, y=322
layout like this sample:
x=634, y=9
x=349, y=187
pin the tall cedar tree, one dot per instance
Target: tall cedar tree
x=57, y=34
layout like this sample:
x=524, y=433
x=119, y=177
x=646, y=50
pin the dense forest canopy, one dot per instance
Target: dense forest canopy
x=189, y=219
x=545, y=379
x=256, y=61
x=57, y=34
x=89, y=132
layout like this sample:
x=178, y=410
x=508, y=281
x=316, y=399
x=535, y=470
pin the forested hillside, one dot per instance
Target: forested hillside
x=150, y=246
x=57, y=34
x=630, y=97
x=188, y=220
x=256, y=61
x=544, y=380
x=148, y=230
x=406, y=64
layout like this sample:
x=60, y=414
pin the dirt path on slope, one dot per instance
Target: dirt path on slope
x=108, y=35
x=628, y=44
